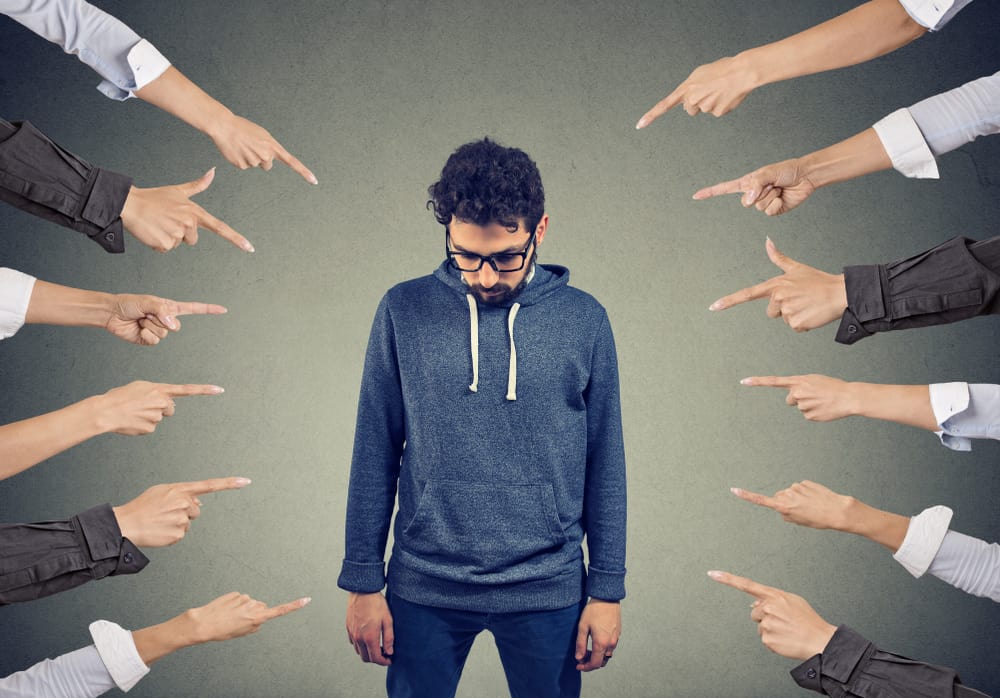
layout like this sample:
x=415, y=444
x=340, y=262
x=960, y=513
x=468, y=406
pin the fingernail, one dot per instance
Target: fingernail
x=769, y=241
x=171, y=322
x=217, y=389
x=715, y=574
x=313, y=180
x=736, y=490
x=242, y=481
x=248, y=247
x=640, y=123
x=717, y=305
x=746, y=381
x=306, y=600
x=212, y=170
x=751, y=197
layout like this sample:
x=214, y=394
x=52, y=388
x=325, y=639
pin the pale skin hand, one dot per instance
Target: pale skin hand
x=162, y=515
x=786, y=623
x=601, y=622
x=163, y=217
x=811, y=504
x=241, y=141
x=780, y=187
x=132, y=409
x=865, y=32
x=369, y=627
x=228, y=617
x=138, y=319
x=823, y=399
x=804, y=297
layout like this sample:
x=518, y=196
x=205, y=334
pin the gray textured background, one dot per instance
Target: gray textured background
x=373, y=97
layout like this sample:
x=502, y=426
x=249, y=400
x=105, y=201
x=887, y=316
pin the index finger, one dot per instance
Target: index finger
x=731, y=187
x=754, y=498
x=751, y=293
x=190, y=389
x=661, y=108
x=196, y=308
x=771, y=381
x=209, y=222
x=285, y=608
x=216, y=484
x=295, y=164
x=744, y=584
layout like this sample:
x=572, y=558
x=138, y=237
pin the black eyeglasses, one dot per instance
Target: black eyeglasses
x=502, y=262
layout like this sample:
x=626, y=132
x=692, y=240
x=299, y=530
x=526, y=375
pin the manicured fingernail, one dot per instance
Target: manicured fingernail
x=751, y=197
x=736, y=490
x=171, y=322
x=305, y=600
x=242, y=481
x=640, y=123
x=247, y=247
x=746, y=381
x=715, y=574
x=217, y=389
x=313, y=180
x=769, y=241
x=717, y=305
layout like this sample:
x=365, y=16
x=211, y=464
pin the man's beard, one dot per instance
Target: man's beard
x=501, y=292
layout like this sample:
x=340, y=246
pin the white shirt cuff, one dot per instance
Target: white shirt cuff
x=923, y=539
x=117, y=649
x=15, y=294
x=905, y=145
x=947, y=400
x=146, y=64
x=932, y=14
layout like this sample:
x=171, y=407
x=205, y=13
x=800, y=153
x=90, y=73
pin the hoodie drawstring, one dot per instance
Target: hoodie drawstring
x=474, y=346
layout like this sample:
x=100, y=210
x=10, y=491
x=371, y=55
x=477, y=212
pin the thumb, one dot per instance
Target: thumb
x=782, y=261
x=201, y=184
x=166, y=312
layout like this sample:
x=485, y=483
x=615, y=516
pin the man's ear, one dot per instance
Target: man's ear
x=540, y=228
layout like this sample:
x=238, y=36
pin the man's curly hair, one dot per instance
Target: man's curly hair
x=483, y=182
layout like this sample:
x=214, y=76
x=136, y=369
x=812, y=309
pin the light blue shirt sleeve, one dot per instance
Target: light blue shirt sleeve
x=933, y=14
x=126, y=61
x=965, y=412
x=969, y=564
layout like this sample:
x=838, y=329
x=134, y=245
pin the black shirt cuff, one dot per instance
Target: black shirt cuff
x=104, y=540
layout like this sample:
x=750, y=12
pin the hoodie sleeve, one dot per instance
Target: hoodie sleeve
x=378, y=447
x=604, y=495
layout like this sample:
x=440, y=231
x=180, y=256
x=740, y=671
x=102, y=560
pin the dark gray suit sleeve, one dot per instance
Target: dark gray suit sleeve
x=852, y=666
x=956, y=280
x=42, y=559
x=43, y=179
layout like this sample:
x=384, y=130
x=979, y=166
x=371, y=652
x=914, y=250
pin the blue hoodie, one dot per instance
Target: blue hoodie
x=502, y=427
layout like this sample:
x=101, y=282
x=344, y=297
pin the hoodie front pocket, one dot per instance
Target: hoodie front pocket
x=483, y=528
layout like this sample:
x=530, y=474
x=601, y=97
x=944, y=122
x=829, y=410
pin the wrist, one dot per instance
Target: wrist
x=822, y=638
x=91, y=415
x=157, y=641
x=217, y=120
x=753, y=68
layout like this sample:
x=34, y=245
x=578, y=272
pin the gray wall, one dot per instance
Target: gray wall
x=373, y=97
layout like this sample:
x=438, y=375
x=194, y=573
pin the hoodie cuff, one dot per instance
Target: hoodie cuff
x=117, y=649
x=923, y=539
x=362, y=577
x=607, y=586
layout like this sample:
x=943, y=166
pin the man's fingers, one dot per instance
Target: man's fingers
x=771, y=381
x=744, y=584
x=295, y=164
x=199, y=185
x=184, y=390
x=751, y=293
x=388, y=637
x=731, y=187
x=285, y=608
x=782, y=261
x=216, y=485
x=582, y=633
x=209, y=222
x=195, y=308
x=754, y=498
x=660, y=108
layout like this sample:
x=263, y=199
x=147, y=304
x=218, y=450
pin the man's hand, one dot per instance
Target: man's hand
x=786, y=623
x=369, y=627
x=773, y=189
x=804, y=297
x=715, y=88
x=806, y=504
x=145, y=320
x=819, y=398
x=601, y=622
x=245, y=144
x=164, y=217
x=162, y=514
x=234, y=615
x=138, y=407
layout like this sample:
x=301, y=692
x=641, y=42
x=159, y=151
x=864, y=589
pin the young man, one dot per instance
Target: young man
x=490, y=400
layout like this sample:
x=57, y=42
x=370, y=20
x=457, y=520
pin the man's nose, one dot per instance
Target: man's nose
x=488, y=277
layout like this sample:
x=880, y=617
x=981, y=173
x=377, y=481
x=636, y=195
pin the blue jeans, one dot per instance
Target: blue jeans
x=431, y=646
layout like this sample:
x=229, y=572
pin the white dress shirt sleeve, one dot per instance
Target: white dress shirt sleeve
x=15, y=294
x=933, y=14
x=965, y=412
x=969, y=564
x=923, y=539
x=126, y=61
x=913, y=137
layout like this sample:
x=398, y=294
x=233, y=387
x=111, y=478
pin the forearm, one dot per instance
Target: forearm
x=175, y=94
x=856, y=156
x=52, y=304
x=30, y=441
x=157, y=641
x=866, y=32
x=903, y=404
x=883, y=527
